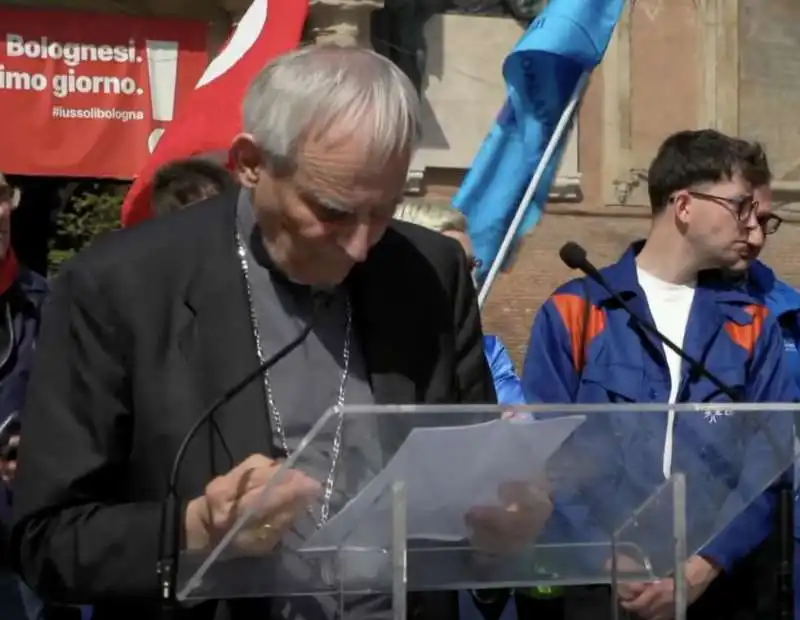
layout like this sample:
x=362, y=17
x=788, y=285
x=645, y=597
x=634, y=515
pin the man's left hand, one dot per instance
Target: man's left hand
x=525, y=508
x=657, y=601
x=8, y=467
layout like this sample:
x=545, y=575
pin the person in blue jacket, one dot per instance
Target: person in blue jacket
x=586, y=348
x=783, y=302
x=22, y=293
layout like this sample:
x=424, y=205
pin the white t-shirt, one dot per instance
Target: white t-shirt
x=670, y=305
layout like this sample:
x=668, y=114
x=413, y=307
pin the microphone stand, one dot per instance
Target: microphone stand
x=172, y=511
x=785, y=574
x=574, y=256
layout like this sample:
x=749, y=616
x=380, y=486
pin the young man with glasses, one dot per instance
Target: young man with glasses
x=705, y=220
x=781, y=298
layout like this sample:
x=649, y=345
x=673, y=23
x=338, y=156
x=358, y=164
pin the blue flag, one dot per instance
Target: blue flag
x=566, y=40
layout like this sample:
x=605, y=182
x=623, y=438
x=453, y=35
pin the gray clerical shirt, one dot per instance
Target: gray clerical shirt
x=304, y=385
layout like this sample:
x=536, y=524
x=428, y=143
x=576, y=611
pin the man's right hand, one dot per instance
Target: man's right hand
x=226, y=497
x=524, y=509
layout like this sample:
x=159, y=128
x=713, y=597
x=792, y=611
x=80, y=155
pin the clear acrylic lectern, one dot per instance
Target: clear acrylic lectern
x=453, y=497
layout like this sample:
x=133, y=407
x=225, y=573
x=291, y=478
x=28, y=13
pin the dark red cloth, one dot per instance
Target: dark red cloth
x=9, y=271
x=212, y=117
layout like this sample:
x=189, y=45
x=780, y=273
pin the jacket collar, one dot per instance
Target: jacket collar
x=716, y=300
x=623, y=279
x=31, y=282
x=716, y=303
x=780, y=297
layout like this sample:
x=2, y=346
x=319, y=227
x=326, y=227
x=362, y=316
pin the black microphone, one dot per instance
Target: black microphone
x=574, y=257
x=170, y=527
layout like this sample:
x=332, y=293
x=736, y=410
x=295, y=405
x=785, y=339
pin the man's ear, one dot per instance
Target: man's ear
x=682, y=204
x=247, y=158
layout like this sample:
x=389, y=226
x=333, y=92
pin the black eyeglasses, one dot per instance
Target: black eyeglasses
x=769, y=223
x=742, y=208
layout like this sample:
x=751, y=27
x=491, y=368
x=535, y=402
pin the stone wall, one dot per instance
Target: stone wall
x=673, y=64
x=341, y=21
x=769, y=80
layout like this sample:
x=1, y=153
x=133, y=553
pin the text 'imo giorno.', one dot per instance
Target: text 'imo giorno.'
x=71, y=55
x=73, y=80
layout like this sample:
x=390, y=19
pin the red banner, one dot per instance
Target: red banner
x=89, y=95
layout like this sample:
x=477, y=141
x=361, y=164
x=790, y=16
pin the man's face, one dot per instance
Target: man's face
x=763, y=196
x=723, y=223
x=323, y=218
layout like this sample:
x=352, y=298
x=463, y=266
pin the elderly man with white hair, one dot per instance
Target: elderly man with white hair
x=151, y=324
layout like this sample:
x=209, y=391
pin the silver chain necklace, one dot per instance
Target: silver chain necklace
x=275, y=415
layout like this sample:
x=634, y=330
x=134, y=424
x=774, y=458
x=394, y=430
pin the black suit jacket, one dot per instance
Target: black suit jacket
x=150, y=325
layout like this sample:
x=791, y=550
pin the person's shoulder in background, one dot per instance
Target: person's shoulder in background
x=415, y=243
x=161, y=252
x=783, y=302
x=415, y=264
x=779, y=296
x=34, y=287
x=425, y=277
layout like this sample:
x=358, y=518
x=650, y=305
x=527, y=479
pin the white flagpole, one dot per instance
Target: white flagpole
x=536, y=179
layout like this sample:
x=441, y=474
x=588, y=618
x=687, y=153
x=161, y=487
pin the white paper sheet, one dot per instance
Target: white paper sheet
x=448, y=471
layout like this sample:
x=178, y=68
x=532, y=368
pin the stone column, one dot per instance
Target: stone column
x=347, y=23
x=343, y=22
x=719, y=48
x=618, y=182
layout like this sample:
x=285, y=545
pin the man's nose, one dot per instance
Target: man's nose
x=357, y=243
x=756, y=237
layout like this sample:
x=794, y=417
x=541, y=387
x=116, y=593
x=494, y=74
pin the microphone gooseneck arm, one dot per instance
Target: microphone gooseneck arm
x=574, y=257
x=169, y=545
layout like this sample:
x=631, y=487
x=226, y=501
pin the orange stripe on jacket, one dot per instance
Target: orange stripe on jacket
x=746, y=336
x=572, y=309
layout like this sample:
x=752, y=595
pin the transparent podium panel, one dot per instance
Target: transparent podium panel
x=380, y=501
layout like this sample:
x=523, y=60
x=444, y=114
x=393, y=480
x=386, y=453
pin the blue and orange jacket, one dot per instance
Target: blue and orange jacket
x=783, y=301
x=730, y=332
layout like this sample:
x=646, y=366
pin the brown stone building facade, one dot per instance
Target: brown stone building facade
x=672, y=64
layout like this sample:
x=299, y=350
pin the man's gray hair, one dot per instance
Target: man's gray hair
x=439, y=216
x=315, y=87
